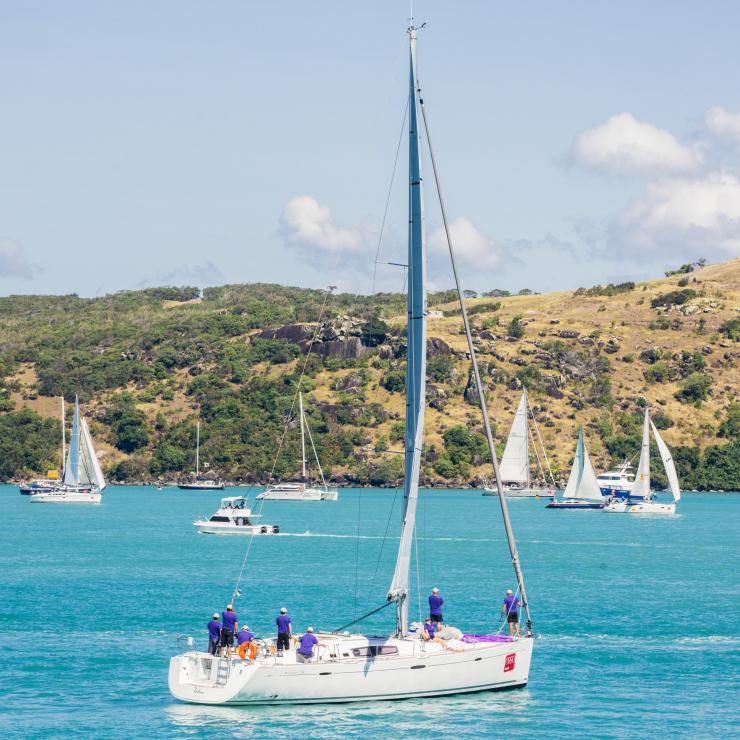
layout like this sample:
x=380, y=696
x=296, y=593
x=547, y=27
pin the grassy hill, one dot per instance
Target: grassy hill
x=146, y=364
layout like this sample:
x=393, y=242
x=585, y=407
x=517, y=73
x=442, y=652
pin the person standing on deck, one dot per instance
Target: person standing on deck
x=214, y=634
x=435, y=606
x=509, y=607
x=230, y=624
x=284, y=631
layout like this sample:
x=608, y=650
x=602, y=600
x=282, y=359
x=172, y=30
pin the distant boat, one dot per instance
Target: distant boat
x=582, y=490
x=198, y=483
x=301, y=490
x=618, y=482
x=52, y=481
x=641, y=486
x=234, y=517
x=515, y=464
x=83, y=481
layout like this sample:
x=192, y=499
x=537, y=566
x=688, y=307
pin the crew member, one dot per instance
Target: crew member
x=214, y=634
x=245, y=641
x=305, y=646
x=509, y=607
x=435, y=606
x=284, y=631
x=230, y=624
x=429, y=629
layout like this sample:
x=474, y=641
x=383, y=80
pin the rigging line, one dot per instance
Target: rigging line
x=388, y=198
x=481, y=393
x=542, y=444
x=357, y=548
x=537, y=455
x=418, y=583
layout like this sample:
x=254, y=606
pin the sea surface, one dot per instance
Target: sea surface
x=638, y=617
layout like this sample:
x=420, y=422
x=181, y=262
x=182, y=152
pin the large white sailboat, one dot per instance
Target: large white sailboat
x=198, y=483
x=301, y=490
x=359, y=667
x=83, y=480
x=641, y=486
x=515, y=463
x=582, y=490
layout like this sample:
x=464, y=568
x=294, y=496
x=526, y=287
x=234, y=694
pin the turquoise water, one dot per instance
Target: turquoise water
x=639, y=617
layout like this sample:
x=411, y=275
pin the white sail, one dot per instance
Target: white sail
x=72, y=466
x=641, y=486
x=515, y=461
x=95, y=471
x=670, y=468
x=582, y=483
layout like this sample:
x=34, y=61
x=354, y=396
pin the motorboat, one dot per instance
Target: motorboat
x=83, y=481
x=617, y=483
x=347, y=667
x=234, y=517
x=39, y=485
x=198, y=483
x=301, y=490
x=646, y=503
x=582, y=490
x=515, y=462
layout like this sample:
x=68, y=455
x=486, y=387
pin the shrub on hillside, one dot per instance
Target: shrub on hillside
x=694, y=389
x=516, y=327
x=673, y=298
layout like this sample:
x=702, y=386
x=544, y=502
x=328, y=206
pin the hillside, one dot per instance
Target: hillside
x=147, y=363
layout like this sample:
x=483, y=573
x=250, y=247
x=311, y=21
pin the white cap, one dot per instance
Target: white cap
x=229, y=607
x=244, y=627
x=283, y=610
x=310, y=629
x=435, y=590
x=509, y=591
x=215, y=616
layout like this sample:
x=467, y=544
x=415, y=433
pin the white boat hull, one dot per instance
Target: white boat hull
x=621, y=506
x=425, y=670
x=66, y=497
x=206, y=527
x=521, y=492
x=297, y=494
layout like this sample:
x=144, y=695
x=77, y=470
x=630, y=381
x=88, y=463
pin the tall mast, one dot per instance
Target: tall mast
x=303, y=436
x=416, y=355
x=526, y=437
x=64, y=439
x=197, y=450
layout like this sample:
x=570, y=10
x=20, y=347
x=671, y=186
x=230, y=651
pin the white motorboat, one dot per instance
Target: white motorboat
x=40, y=485
x=300, y=490
x=617, y=483
x=515, y=463
x=83, y=480
x=234, y=517
x=641, y=487
x=198, y=483
x=582, y=490
x=355, y=667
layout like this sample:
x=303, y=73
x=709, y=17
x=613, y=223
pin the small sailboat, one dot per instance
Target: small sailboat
x=641, y=486
x=582, y=490
x=301, y=490
x=234, y=517
x=83, y=480
x=198, y=483
x=348, y=667
x=515, y=464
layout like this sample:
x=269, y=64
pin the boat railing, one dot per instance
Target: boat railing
x=186, y=641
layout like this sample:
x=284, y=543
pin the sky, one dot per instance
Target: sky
x=180, y=142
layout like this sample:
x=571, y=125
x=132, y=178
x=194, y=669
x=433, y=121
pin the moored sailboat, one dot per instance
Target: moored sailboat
x=641, y=486
x=198, y=483
x=582, y=490
x=358, y=667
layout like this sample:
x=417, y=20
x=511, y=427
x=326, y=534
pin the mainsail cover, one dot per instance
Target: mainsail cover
x=416, y=363
x=641, y=486
x=514, y=466
x=670, y=468
x=91, y=459
x=582, y=482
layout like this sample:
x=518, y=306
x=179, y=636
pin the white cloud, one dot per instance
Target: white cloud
x=722, y=123
x=308, y=225
x=13, y=260
x=625, y=146
x=473, y=250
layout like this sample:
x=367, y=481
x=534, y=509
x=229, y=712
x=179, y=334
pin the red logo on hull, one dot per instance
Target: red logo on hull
x=509, y=662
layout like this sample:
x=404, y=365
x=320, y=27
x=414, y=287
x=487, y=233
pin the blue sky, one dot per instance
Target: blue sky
x=147, y=143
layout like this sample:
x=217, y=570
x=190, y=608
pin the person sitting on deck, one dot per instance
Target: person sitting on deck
x=306, y=646
x=245, y=641
x=435, y=606
x=430, y=628
x=230, y=625
x=285, y=631
x=509, y=607
x=214, y=634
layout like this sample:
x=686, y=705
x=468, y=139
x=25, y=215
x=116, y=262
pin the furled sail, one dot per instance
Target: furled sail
x=515, y=461
x=641, y=486
x=670, y=468
x=416, y=360
x=582, y=482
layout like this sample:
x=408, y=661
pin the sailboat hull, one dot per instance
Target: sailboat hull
x=60, y=496
x=423, y=671
x=521, y=492
x=643, y=507
x=574, y=505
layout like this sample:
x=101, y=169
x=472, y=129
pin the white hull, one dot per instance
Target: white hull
x=66, y=497
x=620, y=506
x=420, y=669
x=521, y=492
x=206, y=527
x=297, y=494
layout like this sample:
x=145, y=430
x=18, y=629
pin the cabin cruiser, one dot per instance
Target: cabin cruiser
x=40, y=485
x=618, y=483
x=234, y=517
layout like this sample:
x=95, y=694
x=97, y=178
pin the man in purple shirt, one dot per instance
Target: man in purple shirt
x=214, y=635
x=429, y=629
x=244, y=640
x=435, y=606
x=509, y=607
x=284, y=630
x=306, y=645
x=230, y=624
